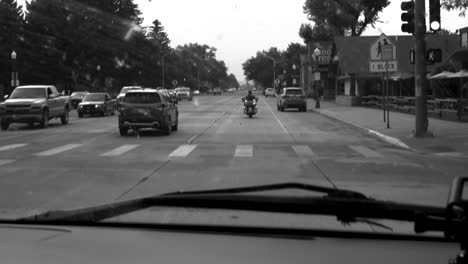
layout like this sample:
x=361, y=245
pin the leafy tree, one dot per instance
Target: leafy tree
x=460, y=5
x=11, y=38
x=232, y=81
x=345, y=17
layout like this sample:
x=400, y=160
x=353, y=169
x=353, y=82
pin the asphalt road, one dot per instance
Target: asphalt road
x=88, y=163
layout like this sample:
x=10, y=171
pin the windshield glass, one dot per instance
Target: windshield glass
x=142, y=98
x=294, y=91
x=94, y=97
x=28, y=93
x=365, y=108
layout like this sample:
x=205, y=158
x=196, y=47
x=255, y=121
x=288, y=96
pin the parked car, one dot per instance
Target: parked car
x=196, y=92
x=147, y=109
x=96, y=103
x=270, y=92
x=173, y=95
x=76, y=98
x=216, y=91
x=184, y=93
x=292, y=97
x=34, y=103
x=124, y=90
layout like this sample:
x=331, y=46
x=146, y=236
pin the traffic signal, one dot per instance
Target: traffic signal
x=407, y=16
x=434, y=55
x=434, y=15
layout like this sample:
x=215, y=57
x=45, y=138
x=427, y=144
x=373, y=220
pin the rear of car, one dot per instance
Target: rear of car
x=270, y=92
x=217, y=91
x=146, y=109
x=292, y=98
x=124, y=90
x=184, y=94
x=95, y=104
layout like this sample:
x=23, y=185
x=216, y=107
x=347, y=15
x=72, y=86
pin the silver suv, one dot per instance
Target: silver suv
x=292, y=97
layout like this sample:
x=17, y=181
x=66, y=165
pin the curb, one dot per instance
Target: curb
x=388, y=139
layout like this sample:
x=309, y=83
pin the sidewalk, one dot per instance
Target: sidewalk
x=450, y=138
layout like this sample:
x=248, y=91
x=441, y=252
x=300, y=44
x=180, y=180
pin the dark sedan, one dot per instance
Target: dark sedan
x=96, y=104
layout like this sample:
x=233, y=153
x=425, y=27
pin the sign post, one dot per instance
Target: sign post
x=383, y=59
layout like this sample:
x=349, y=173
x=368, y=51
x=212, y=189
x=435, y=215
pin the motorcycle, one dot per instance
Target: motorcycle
x=250, y=107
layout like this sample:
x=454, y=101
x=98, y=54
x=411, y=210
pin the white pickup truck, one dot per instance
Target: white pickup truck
x=34, y=103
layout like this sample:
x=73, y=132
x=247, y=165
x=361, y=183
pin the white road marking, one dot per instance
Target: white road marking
x=120, y=150
x=5, y=161
x=191, y=139
x=303, y=151
x=366, y=152
x=244, y=151
x=12, y=146
x=277, y=119
x=57, y=150
x=183, y=151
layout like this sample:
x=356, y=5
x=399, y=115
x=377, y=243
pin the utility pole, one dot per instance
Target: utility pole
x=420, y=69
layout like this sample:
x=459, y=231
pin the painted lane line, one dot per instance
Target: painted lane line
x=5, y=161
x=183, y=151
x=366, y=152
x=120, y=150
x=303, y=151
x=57, y=150
x=12, y=146
x=277, y=119
x=245, y=151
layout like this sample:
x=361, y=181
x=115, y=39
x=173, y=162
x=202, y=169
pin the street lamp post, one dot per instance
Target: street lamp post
x=14, y=71
x=317, y=88
x=162, y=66
x=274, y=68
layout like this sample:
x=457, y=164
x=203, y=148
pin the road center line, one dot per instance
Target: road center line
x=244, y=151
x=366, y=151
x=120, y=150
x=54, y=151
x=12, y=146
x=183, y=151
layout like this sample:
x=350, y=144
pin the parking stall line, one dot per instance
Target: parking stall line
x=183, y=151
x=5, y=161
x=303, y=151
x=12, y=146
x=245, y=151
x=366, y=152
x=57, y=150
x=120, y=150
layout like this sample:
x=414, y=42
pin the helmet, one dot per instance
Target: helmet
x=250, y=92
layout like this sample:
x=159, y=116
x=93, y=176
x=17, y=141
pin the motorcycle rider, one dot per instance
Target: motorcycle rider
x=250, y=97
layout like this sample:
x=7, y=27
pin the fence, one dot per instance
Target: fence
x=449, y=109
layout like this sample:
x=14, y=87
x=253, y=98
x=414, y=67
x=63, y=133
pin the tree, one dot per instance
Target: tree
x=260, y=68
x=11, y=38
x=345, y=17
x=460, y=5
x=232, y=81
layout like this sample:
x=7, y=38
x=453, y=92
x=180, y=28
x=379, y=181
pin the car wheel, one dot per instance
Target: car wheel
x=277, y=107
x=31, y=124
x=281, y=108
x=113, y=111
x=123, y=131
x=175, y=127
x=44, y=119
x=5, y=124
x=103, y=113
x=80, y=115
x=304, y=109
x=168, y=129
x=65, y=117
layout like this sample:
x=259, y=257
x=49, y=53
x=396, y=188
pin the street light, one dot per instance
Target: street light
x=317, y=88
x=162, y=65
x=14, y=71
x=274, y=68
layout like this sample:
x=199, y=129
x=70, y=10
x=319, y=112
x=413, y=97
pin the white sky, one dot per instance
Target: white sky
x=239, y=28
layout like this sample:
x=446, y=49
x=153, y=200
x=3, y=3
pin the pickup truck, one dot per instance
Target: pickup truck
x=34, y=103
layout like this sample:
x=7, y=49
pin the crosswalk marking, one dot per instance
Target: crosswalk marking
x=366, y=151
x=303, y=151
x=244, y=151
x=120, y=150
x=12, y=146
x=5, y=161
x=57, y=150
x=183, y=151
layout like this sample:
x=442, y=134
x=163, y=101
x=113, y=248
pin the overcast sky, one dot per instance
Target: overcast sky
x=239, y=28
